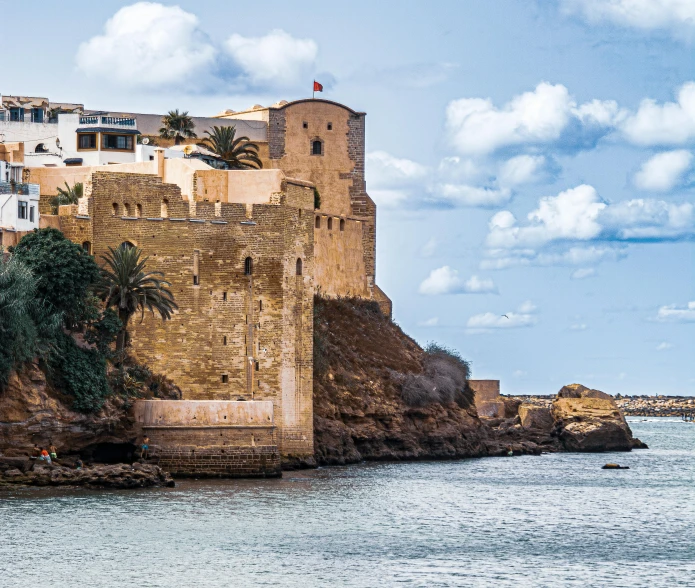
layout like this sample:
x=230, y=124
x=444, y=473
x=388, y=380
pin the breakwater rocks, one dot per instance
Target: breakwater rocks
x=655, y=406
x=28, y=472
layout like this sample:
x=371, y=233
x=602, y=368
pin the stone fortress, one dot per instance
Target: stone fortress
x=245, y=252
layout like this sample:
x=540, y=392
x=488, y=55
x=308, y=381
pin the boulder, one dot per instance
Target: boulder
x=579, y=391
x=591, y=424
x=535, y=417
x=511, y=406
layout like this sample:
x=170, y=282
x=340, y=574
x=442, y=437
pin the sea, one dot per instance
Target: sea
x=549, y=520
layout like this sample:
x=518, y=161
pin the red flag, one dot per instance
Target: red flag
x=317, y=87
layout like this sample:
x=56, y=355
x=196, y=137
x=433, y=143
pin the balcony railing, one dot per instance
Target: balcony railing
x=19, y=188
x=112, y=121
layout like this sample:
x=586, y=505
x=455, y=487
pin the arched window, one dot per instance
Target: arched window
x=317, y=147
x=138, y=210
x=40, y=148
x=165, y=209
x=330, y=223
x=299, y=266
x=126, y=209
x=126, y=245
x=115, y=209
x=87, y=247
x=342, y=224
x=248, y=266
x=318, y=222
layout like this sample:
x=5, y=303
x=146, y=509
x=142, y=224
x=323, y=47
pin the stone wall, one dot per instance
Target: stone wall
x=223, y=462
x=487, y=398
x=234, y=336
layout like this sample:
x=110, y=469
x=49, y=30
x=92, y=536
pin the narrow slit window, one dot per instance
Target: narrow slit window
x=329, y=126
x=248, y=266
x=305, y=125
x=258, y=366
x=260, y=305
x=299, y=267
x=342, y=224
x=224, y=340
x=224, y=297
x=330, y=224
x=318, y=222
x=115, y=209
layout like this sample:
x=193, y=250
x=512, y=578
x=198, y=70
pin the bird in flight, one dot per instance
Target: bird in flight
x=505, y=316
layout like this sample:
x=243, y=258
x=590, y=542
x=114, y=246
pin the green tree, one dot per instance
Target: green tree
x=317, y=199
x=177, y=126
x=27, y=325
x=127, y=287
x=237, y=153
x=69, y=195
x=64, y=270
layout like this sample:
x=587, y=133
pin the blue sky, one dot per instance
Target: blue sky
x=534, y=159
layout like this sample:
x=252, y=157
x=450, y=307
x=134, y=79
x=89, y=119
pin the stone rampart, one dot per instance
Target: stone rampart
x=487, y=398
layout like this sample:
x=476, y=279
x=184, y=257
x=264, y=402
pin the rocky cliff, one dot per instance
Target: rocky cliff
x=361, y=360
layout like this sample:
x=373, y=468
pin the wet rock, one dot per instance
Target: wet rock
x=100, y=476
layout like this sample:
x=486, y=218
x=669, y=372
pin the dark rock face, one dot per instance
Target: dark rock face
x=32, y=412
x=28, y=472
x=359, y=413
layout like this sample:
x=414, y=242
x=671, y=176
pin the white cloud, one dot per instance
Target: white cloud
x=583, y=273
x=432, y=322
x=445, y=280
x=149, y=44
x=276, y=60
x=385, y=170
x=580, y=215
x=578, y=327
x=663, y=171
x=489, y=321
x=677, y=314
x=477, y=126
x=641, y=14
x=153, y=46
x=522, y=169
x=663, y=346
x=671, y=123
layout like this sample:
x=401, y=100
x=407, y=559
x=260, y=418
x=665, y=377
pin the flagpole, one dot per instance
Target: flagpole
x=313, y=93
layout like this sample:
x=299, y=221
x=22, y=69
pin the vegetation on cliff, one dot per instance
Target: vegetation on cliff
x=49, y=312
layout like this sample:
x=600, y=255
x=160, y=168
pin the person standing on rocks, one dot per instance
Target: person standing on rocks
x=145, y=447
x=53, y=451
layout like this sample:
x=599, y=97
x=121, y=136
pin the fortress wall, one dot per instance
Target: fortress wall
x=487, y=398
x=227, y=316
x=203, y=412
x=338, y=258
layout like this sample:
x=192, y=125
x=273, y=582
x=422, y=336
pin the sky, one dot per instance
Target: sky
x=532, y=161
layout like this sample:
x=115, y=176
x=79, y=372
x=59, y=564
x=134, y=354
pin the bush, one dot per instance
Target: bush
x=444, y=379
x=63, y=269
x=27, y=325
x=80, y=373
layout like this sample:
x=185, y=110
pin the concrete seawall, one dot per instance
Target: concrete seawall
x=211, y=438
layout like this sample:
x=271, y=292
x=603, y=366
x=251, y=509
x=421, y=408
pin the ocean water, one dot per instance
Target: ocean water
x=550, y=520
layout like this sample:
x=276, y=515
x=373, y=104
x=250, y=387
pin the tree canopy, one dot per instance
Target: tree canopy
x=236, y=152
x=177, y=126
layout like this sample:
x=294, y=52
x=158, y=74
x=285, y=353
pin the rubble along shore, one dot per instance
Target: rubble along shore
x=21, y=471
x=654, y=406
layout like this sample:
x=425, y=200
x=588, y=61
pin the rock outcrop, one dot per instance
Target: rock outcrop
x=358, y=410
x=31, y=411
x=589, y=423
x=28, y=472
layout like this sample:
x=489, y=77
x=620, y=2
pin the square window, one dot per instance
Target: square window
x=305, y=125
x=330, y=126
x=225, y=379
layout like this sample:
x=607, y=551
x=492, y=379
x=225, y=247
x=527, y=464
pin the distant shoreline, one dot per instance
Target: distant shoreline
x=631, y=405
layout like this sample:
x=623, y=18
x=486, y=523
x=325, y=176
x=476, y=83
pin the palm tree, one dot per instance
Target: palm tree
x=177, y=126
x=69, y=195
x=126, y=286
x=236, y=153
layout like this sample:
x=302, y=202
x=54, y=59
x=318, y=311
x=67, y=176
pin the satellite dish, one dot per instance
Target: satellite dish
x=145, y=141
x=188, y=149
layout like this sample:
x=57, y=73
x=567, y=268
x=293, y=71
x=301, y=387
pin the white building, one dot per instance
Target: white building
x=19, y=207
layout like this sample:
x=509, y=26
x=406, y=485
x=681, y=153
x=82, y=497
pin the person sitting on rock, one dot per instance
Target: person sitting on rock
x=145, y=447
x=78, y=464
x=45, y=456
x=53, y=452
x=36, y=452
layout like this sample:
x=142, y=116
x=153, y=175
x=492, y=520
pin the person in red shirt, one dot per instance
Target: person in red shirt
x=45, y=456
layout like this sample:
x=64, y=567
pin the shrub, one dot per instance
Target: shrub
x=80, y=373
x=444, y=379
x=63, y=269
